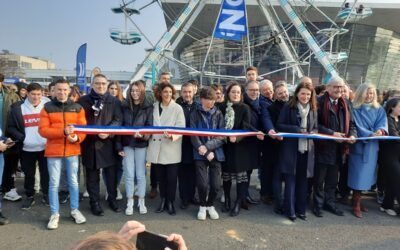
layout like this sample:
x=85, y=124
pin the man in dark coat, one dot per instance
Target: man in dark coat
x=266, y=171
x=98, y=151
x=281, y=96
x=251, y=98
x=334, y=118
x=187, y=171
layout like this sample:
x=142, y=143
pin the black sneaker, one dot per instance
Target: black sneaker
x=28, y=203
x=64, y=196
x=3, y=220
x=45, y=200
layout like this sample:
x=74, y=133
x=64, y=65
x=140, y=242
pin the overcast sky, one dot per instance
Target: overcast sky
x=54, y=29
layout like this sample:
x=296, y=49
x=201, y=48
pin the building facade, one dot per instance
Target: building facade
x=372, y=45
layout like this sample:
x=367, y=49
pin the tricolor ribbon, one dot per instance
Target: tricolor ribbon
x=330, y=137
x=122, y=130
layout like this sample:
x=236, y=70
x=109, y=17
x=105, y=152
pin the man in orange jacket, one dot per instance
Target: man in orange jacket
x=62, y=147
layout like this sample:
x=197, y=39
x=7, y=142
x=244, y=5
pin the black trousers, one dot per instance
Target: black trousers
x=208, y=174
x=187, y=182
x=10, y=167
x=93, y=183
x=344, y=190
x=392, y=184
x=167, y=178
x=295, y=200
x=266, y=171
x=153, y=177
x=28, y=165
x=325, y=182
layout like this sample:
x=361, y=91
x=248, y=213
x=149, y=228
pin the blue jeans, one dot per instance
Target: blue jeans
x=134, y=164
x=54, y=165
x=1, y=172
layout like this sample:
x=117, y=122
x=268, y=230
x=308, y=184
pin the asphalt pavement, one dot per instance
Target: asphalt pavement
x=258, y=228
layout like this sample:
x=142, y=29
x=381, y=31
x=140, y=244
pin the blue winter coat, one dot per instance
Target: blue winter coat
x=364, y=154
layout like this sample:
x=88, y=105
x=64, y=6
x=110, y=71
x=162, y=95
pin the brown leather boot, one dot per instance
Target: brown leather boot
x=362, y=206
x=357, y=204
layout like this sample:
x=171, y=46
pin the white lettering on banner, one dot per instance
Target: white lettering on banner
x=234, y=2
x=229, y=23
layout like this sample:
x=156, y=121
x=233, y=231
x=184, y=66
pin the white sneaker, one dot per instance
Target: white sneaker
x=119, y=195
x=85, y=194
x=390, y=212
x=223, y=198
x=142, y=207
x=12, y=195
x=213, y=213
x=129, y=206
x=53, y=222
x=202, y=214
x=78, y=216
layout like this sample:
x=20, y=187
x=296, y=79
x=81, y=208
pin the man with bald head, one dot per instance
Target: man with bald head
x=334, y=119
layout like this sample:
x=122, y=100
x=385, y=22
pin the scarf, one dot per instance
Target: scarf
x=303, y=110
x=326, y=113
x=229, y=115
x=254, y=104
x=98, y=101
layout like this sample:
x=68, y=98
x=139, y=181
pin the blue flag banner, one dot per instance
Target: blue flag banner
x=81, y=67
x=232, y=20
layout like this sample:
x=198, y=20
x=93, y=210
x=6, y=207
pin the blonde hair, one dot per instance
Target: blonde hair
x=104, y=240
x=361, y=93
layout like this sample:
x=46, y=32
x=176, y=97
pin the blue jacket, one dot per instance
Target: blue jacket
x=212, y=119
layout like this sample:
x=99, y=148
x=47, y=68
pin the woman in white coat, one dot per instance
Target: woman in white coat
x=165, y=151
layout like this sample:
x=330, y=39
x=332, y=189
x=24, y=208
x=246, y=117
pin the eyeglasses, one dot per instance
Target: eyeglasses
x=253, y=90
x=100, y=83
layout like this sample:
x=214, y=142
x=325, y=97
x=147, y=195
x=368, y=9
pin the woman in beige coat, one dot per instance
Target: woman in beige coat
x=164, y=151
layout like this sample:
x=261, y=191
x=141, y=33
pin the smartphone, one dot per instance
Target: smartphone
x=153, y=241
x=11, y=142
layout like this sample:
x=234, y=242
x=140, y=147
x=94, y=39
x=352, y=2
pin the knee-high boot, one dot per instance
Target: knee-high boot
x=357, y=204
x=241, y=196
x=227, y=192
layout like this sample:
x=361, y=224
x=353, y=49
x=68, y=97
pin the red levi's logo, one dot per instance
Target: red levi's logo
x=31, y=120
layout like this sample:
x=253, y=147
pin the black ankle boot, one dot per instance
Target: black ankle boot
x=171, y=208
x=96, y=209
x=162, y=206
x=236, y=208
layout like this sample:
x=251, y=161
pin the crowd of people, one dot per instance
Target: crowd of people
x=38, y=131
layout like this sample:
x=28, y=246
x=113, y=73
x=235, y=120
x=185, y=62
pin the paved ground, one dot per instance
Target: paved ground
x=258, y=228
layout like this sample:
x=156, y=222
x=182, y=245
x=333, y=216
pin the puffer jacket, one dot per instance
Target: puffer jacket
x=54, y=117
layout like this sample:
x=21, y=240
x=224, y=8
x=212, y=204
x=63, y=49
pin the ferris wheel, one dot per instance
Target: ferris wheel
x=298, y=14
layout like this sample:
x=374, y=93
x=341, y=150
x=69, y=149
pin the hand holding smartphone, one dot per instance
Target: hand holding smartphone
x=152, y=241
